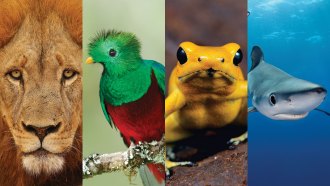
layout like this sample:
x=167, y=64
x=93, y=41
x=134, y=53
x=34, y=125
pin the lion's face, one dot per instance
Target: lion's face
x=40, y=93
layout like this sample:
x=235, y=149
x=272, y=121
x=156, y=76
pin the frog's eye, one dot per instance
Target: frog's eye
x=182, y=56
x=238, y=57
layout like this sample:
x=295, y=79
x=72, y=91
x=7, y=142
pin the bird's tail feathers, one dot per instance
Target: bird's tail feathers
x=153, y=174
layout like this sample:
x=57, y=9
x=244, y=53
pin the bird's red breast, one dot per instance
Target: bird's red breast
x=142, y=120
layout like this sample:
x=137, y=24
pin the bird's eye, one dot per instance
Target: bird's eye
x=68, y=73
x=15, y=74
x=112, y=52
x=238, y=57
x=182, y=56
x=272, y=99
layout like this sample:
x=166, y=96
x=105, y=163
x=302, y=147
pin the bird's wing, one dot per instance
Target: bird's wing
x=104, y=109
x=159, y=71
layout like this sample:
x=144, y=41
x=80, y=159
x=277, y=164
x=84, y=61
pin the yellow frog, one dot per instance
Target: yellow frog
x=206, y=90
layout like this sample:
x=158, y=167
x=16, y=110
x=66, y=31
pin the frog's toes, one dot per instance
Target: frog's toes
x=233, y=142
x=171, y=164
x=168, y=172
x=169, y=152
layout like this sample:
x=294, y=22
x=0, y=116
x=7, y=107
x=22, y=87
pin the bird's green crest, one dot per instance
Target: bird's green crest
x=118, y=51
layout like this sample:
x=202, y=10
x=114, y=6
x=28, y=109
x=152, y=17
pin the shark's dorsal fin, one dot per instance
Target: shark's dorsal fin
x=257, y=56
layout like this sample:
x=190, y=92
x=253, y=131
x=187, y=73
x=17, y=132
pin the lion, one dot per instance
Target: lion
x=40, y=92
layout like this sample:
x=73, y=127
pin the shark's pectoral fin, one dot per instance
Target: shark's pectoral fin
x=325, y=112
x=252, y=109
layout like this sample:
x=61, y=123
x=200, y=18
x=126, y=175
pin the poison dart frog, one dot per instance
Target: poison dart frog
x=206, y=90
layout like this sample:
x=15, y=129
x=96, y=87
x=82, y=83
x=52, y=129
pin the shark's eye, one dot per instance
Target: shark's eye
x=238, y=57
x=182, y=56
x=112, y=52
x=272, y=99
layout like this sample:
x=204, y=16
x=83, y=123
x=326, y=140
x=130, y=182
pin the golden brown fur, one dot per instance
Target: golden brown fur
x=40, y=39
x=13, y=12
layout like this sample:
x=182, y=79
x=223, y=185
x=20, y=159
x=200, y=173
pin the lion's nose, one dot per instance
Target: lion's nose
x=41, y=132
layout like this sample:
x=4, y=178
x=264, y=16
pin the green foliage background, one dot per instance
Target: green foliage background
x=145, y=18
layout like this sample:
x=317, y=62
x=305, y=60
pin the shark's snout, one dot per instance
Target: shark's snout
x=318, y=94
x=319, y=90
x=298, y=103
x=308, y=99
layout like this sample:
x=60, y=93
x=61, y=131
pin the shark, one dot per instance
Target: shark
x=277, y=94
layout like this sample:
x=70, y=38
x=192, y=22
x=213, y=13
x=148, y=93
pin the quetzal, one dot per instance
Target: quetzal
x=132, y=93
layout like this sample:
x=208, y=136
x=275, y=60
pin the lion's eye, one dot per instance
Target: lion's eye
x=68, y=74
x=15, y=74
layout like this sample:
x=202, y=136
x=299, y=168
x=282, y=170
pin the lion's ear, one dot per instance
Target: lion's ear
x=11, y=16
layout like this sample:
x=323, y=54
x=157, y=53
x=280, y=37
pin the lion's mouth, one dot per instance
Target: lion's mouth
x=41, y=152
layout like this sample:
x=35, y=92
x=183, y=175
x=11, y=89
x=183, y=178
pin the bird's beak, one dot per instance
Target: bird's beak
x=89, y=60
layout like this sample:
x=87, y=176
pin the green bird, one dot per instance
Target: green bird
x=132, y=93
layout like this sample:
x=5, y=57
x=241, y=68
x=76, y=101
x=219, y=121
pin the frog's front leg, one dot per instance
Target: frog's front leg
x=235, y=141
x=174, y=102
x=174, y=132
x=241, y=90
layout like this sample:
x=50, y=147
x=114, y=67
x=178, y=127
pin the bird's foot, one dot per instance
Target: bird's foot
x=233, y=142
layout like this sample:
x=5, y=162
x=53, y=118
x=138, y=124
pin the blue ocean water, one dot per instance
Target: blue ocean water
x=295, y=36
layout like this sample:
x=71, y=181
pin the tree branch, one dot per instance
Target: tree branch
x=129, y=160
